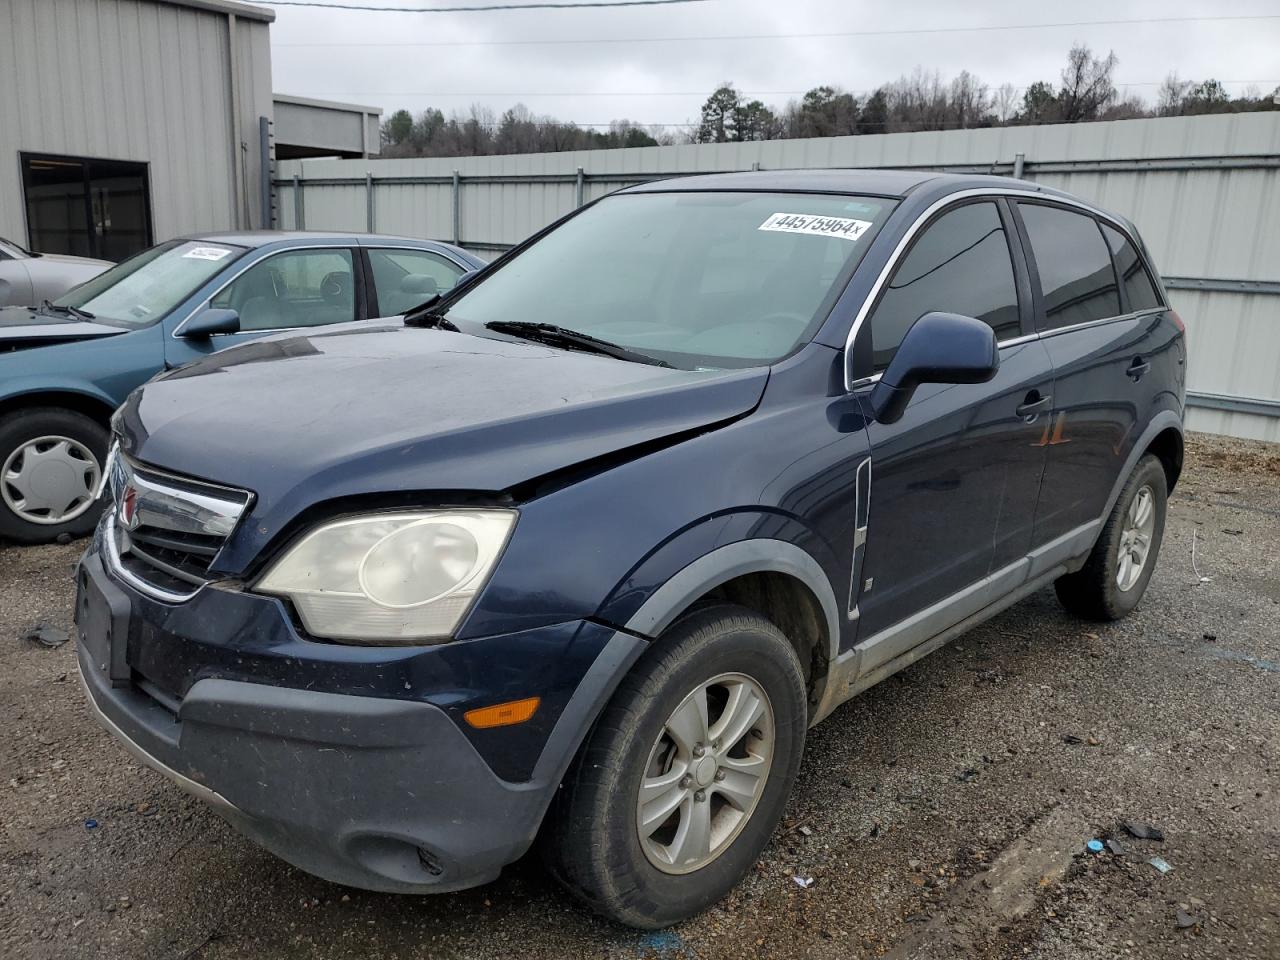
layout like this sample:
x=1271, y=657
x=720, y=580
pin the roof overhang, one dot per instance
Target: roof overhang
x=232, y=7
x=306, y=127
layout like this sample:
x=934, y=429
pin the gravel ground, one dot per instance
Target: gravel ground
x=941, y=814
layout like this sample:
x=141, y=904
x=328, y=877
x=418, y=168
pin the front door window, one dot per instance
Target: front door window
x=297, y=288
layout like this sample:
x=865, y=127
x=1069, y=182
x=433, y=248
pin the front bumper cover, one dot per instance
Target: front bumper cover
x=378, y=793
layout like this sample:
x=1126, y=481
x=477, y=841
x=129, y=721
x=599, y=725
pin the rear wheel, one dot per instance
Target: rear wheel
x=1116, y=575
x=684, y=778
x=50, y=467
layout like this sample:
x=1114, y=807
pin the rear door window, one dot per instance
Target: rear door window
x=1138, y=287
x=405, y=279
x=1077, y=281
x=960, y=264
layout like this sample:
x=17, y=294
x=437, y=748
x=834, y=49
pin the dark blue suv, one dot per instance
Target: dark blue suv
x=578, y=551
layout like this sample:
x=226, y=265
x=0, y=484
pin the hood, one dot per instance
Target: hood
x=386, y=409
x=80, y=261
x=23, y=327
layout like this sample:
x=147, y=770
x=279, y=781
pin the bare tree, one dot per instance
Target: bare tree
x=1005, y=102
x=970, y=104
x=1087, y=89
x=1170, y=95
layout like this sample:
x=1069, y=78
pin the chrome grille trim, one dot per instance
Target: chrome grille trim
x=180, y=523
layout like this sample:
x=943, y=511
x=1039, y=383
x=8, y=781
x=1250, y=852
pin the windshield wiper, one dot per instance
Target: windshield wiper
x=50, y=307
x=556, y=336
x=432, y=321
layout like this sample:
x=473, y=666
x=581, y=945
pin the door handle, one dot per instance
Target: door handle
x=1031, y=407
x=1138, y=368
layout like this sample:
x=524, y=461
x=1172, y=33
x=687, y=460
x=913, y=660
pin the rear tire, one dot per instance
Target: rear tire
x=597, y=842
x=1106, y=588
x=79, y=444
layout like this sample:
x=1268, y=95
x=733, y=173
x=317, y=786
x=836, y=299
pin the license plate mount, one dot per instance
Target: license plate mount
x=102, y=623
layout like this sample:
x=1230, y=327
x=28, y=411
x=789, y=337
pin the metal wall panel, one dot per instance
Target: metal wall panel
x=135, y=80
x=1204, y=192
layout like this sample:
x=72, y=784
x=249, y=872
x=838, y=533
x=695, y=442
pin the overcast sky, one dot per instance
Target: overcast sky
x=386, y=60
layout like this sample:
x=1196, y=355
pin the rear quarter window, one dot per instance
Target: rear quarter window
x=1077, y=280
x=1138, y=287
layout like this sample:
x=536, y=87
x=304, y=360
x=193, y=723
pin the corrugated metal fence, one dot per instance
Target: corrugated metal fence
x=1204, y=191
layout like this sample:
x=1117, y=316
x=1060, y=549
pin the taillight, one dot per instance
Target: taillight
x=1173, y=315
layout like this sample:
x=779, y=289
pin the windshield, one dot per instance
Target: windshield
x=142, y=289
x=694, y=279
x=11, y=249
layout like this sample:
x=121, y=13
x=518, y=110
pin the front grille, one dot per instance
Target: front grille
x=164, y=531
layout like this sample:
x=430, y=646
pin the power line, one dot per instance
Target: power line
x=485, y=8
x=916, y=31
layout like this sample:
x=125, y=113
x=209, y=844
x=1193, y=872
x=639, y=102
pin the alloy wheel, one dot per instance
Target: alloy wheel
x=705, y=773
x=1135, y=538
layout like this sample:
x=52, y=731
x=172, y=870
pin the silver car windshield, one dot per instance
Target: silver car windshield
x=139, y=291
x=10, y=249
x=709, y=279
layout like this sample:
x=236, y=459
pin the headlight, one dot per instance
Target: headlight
x=391, y=578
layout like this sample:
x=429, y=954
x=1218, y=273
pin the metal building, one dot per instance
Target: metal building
x=123, y=122
x=126, y=122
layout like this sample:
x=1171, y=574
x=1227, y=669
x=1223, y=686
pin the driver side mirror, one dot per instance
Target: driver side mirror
x=939, y=348
x=211, y=321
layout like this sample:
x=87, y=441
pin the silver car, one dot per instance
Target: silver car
x=27, y=278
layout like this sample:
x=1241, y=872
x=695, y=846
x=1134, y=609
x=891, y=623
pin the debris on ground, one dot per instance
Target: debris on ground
x=91, y=824
x=1094, y=846
x=804, y=883
x=1071, y=739
x=1160, y=863
x=1142, y=831
x=47, y=635
x=1115, y=847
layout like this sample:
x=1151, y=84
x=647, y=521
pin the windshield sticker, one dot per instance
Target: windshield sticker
x=842, y=227
x=206, y=253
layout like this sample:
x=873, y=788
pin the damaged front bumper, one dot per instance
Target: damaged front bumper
x=381, y=793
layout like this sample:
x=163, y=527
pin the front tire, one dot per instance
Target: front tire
x=1114, y=578
x=681, y=783
x=51, y=461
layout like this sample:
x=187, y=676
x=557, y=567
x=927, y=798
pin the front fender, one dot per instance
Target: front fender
x=713, y=552
x=29, y=386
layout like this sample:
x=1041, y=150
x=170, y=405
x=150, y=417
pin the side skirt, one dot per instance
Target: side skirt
x=859, y=669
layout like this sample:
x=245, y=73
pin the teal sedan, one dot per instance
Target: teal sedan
x=67, y=364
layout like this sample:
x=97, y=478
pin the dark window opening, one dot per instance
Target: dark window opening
x=1077, y=280
x=1137, y=282
x=960, y=264
x=86, y=207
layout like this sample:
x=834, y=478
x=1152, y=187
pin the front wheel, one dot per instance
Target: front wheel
x=1116, y=575
x=684, y=778
x=50, y=468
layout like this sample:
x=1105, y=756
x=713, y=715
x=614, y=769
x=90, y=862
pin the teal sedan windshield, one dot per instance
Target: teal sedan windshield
x=139, y=291
x=714, y=279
